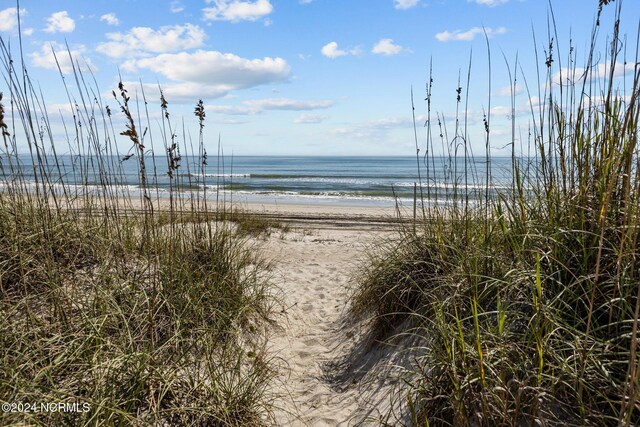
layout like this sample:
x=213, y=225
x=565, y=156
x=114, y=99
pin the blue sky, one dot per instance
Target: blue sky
x=302, y=77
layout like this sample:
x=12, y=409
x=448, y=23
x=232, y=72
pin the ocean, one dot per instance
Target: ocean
x=378, y=181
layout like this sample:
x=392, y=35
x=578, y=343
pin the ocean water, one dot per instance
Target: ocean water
x=309, y=180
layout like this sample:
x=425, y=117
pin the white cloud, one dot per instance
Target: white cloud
x=598, y=71
x=386, y=47
x=257, y=106
x=237, y=10
x=307, y=118
x=470, y=34
x=9, y=18
x=405, y=4
x=211, y=74
x=535, y=101
x=390, y=123
x=28, y=31
x=60, y=22
x=110, y=18
x=212, y=66
x=176, y=6
x=181, y=92
x=490, y=3
x=506, y=90
x=305, y=1
x=66, y=109
x=45, y=58
x=232, y=110
x=143, y=40
x=521, y=109
x=502, y=111
x=331, y=50
x=288, y=104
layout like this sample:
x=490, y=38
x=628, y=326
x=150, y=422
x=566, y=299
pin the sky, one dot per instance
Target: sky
x=304, y=77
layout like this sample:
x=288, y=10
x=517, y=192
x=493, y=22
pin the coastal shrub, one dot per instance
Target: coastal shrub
x=121, y=308
x=529, y=300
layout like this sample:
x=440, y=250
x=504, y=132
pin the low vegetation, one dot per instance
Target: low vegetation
x=122, y=313
x=528, y=300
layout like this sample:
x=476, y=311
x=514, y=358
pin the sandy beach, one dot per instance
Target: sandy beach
x=329, y=375
x=328, y=372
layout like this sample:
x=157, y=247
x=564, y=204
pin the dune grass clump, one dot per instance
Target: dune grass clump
x=246, y=223
x=529, y=300
x=139, y=340
x=123, y=313
x=256, y=225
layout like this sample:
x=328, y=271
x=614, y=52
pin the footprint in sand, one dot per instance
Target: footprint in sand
x=311, y=342
x=303, y=354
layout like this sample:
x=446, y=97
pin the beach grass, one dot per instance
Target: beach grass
x=246, y=223
x=527, y=302
x=111, y=310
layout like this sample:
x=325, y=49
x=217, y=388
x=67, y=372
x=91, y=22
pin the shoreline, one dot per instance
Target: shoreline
x=339, y=213
x=310, y=215
x=328, y=216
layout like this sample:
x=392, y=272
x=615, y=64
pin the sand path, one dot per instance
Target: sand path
x=317, y=386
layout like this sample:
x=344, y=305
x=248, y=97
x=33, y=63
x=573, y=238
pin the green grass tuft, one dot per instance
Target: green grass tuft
x=138, y=316
x=529, y=300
